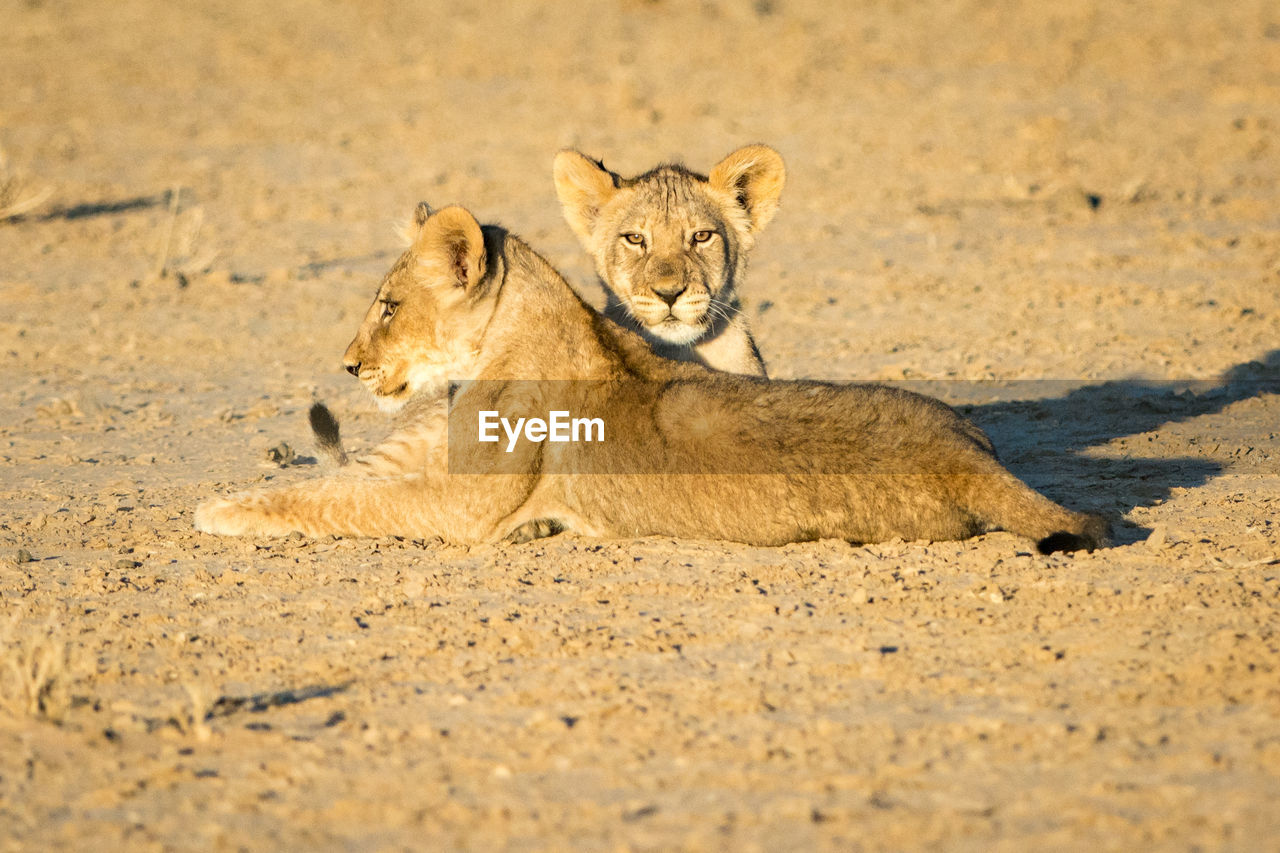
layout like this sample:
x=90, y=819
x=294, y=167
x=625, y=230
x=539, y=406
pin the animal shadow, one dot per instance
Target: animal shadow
x=104, y=208
x=1044, y=440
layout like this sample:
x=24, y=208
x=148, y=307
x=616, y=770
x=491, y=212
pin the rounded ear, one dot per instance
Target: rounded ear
x=753, y=175
x=584, y=187
x=451, y=244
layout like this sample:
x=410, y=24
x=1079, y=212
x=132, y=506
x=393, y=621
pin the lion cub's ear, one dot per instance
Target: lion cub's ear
x=584, y=187
x=451, y=246
x=410, y=230
x=754, y=175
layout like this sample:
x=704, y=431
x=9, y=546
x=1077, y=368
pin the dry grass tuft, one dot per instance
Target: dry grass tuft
x=17, y=196
x=35, y=678
x=178, y=255
x=192, y=714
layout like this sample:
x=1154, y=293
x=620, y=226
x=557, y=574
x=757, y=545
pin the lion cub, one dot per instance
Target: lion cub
x=671, y=248
x=686, y=451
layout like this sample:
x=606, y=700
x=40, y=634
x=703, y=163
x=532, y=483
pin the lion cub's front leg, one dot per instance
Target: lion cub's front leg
x=340, y=505
x=456, y=508
x=373, y=495
x=246, y=514
x=401, y=488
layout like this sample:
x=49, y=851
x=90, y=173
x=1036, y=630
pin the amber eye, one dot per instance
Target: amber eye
x=702, y=236
x=389, y=309
x=633, y=238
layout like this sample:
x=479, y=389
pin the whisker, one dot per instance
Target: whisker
x=721, y=311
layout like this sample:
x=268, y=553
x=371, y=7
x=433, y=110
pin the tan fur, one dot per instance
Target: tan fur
x=671, y=248
x=780, y=461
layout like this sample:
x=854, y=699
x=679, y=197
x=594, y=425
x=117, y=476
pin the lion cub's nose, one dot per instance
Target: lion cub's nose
x=669, y=291
x=353, y=369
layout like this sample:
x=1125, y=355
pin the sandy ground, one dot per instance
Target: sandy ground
x=977, y=191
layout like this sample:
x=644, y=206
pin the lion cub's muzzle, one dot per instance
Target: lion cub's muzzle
x=670, y=289
x=353, y=358
x=373, y=378
x=672, y=309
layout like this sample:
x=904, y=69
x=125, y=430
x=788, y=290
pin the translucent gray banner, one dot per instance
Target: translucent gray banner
x=722, y=424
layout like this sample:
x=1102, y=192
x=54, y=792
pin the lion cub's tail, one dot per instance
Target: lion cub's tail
x=1003, y=501
x=1092, y=532
x=328, y=436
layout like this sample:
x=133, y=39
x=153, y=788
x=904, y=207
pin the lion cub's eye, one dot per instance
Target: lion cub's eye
x=633, y=238
x=702, y=236
x=389, y=309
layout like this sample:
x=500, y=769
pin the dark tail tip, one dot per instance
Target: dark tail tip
x=328, y=435
x=1094, y=533
x=1063, y=541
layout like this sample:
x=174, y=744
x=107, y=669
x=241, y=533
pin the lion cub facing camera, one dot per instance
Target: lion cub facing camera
x=671, y=248
x=689, y=452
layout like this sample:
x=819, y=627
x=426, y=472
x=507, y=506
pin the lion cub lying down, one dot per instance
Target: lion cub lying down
x=782, y=461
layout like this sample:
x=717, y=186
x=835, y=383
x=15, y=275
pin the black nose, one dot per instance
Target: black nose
x=670, y=294
x=353, y=369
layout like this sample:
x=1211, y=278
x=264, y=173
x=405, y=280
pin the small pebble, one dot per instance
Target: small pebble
x=127, y=564
x=23, y=556
x=282, y=455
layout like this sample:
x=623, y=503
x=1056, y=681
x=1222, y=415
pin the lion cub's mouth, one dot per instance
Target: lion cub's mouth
x=671, y=321
x=394, y=400
x=674, y=329
x=389, y=400
x=653, y=318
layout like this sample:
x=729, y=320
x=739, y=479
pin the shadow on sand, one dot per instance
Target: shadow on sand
x=1041, y=440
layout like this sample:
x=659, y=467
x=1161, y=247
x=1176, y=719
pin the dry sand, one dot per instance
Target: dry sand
x=1086, y=193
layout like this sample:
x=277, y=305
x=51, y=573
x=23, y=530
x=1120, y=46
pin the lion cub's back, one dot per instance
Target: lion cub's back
x=727, y=424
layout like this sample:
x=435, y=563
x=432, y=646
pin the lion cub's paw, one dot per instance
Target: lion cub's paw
x=537, y=529
x=235, y=518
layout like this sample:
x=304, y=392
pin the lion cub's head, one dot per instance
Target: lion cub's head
x=426, y=322
x=670, y=244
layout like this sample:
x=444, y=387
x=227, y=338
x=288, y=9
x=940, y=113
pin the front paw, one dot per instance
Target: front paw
x=221, y=518
x=236, y=517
